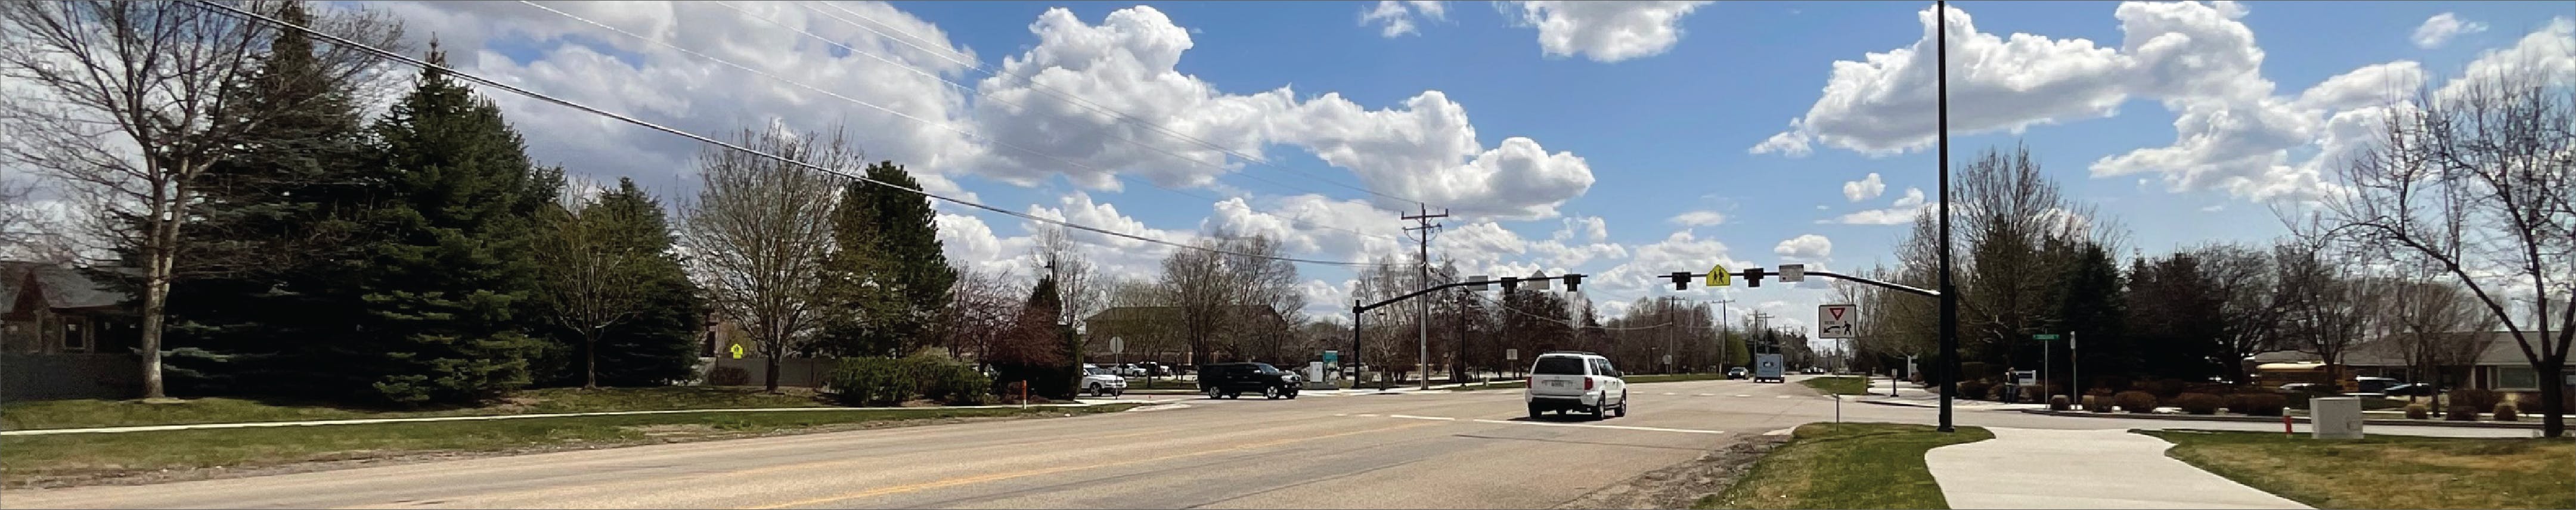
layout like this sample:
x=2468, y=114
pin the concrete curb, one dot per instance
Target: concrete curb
x=2297, y=419
x=154, y=428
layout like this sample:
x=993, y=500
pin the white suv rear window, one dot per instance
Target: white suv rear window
x=1559, y=365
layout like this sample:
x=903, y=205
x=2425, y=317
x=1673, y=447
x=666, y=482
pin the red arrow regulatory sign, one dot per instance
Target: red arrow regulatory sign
x=1835, y=321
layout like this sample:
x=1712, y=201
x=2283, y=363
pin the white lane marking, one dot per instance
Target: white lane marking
x=1708, y=394
x=1671, y=393
x=1369, y=415
x=1785, y=396
x=1412, y=417
x=1744, y=395
x=1591, y=426
x=1340, y=414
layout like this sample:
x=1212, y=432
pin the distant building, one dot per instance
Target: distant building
x=2500, y=366
x=64, y=336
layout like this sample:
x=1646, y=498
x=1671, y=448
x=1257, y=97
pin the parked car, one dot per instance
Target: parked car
x=1568, y=381
x=2411, y=390
x=1232, y=380
x=1103, y=382
x=1738, y=373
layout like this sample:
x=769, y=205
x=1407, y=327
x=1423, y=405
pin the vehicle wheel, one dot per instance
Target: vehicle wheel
x=1097, y=391
x=1600, y=412
x=1623, y=404
x=1292, y=395
x=1535, y=411
x=1214, y=394
x=1270, y=393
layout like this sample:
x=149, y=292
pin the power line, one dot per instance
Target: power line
x=1082, y=102
x=693, y=136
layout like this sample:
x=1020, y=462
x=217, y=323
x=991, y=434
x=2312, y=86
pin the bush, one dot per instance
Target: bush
x=2258, y=404
x=879, y=381
x=2418, y=412
x=2462, y=413
x=2199, y=403
x=2167, y=388
x=2105, y=393
x=1973, y=389
x=2097, y=403
x=728, y=376
x=2476, y=398
x=2058, y=403
x=1998, y=392
x=2135, y=401
x=2506, y=412
x=2034, y=394
x=2531, y=402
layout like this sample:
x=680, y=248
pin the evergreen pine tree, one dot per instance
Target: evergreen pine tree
x=273, y=220
x=890, y=274
x=450, y=275
x=659, y=344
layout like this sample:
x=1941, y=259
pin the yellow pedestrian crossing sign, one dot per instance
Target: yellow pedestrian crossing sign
x=736, y=350
x=1717, y=276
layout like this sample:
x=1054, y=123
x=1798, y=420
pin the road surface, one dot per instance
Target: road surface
x=1424, y=450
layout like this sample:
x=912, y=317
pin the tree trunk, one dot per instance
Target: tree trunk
x=2553, y=399
x=771, y=379
x=590, y=362
x=156, y=295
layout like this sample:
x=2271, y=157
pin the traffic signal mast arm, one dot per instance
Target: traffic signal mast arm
x=1573, y=283
x=1753, y=278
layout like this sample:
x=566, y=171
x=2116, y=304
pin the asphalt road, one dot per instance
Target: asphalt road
x=1425, y=450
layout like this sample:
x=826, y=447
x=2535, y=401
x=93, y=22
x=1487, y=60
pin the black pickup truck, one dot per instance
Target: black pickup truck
x=1232, y=380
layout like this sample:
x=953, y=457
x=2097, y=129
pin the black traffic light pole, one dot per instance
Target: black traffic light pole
x=1753, y=278
x=1573, y=283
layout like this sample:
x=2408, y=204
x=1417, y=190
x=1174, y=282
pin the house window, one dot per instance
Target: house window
x=76, y=334
x=2517, y=378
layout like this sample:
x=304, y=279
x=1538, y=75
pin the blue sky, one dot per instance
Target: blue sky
x=1663, y=121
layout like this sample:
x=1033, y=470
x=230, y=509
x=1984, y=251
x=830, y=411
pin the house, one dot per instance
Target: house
x=1153, y=333
x=2498, y=366
x=65, y=336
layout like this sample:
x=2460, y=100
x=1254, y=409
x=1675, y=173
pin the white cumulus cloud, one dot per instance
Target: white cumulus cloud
x=1607, y=31
x=1699, y=219
x=2441, y=28
x=1395, y=18
x=1864, y=189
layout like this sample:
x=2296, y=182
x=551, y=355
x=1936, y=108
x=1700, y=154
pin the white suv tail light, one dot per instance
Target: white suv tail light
x=1587, y=384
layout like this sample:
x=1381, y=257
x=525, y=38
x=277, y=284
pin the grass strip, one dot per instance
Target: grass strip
x=1838, y=385
x=25, y=459
x=2386, y=471
x=1846, y=465
x=61, y=414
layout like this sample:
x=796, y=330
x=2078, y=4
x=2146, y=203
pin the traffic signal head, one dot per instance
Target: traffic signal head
x=1681, y=280
x=1753, y=277
x=1510, y=284
x=1574, y=283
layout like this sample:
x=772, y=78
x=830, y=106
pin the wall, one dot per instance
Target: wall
x=69, y=376
x=798, y=372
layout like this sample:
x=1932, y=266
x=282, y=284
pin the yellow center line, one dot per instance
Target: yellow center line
x=952, y=482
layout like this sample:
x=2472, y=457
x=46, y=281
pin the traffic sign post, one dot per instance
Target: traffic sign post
x=2047, y=355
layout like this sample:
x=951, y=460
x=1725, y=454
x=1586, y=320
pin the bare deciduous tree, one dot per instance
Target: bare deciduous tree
x=132, y=100
x=594, y=278
x=2436, y=326
x=1077, y=283
x=2474, y=179
x=983, y=306
x=760, y=230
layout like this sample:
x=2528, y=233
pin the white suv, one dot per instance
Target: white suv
x=1567, y=381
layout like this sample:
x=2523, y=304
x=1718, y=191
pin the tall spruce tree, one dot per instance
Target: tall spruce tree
x=448, y=281
x=271, y=224
x=889, y=274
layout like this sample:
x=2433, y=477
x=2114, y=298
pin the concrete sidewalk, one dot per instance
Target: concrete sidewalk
x=2033, y=468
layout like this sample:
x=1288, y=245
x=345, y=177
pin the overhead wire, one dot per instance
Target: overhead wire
x=335, y=39
x=1069, y=98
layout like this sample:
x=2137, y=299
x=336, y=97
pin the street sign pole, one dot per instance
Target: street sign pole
x=2075, y=367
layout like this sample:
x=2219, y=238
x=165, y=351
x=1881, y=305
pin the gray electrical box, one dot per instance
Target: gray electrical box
x=2334, y=418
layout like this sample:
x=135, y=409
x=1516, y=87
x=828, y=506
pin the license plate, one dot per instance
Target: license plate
x=1556, y=383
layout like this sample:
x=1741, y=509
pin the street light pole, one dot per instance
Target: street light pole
x=1949, y=298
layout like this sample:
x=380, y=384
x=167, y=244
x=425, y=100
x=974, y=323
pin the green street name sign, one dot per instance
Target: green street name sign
x=2044, y=337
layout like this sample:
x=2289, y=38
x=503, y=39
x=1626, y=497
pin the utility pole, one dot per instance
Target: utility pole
x=1949, y=295
x=1723, y=345
x=1424, y=224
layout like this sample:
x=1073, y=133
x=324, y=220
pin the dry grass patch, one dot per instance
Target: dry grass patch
x=2390, y=471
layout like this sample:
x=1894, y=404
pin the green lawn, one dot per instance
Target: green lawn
x=1846, y=465
x=24, y=459
x=2384, y=471
x=56, y=414
x=1838, y=385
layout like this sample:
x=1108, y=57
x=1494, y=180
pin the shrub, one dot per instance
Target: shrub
x=2506, y=412
x=1973, y=389
x=2097, y=403
x=2199, y=403
x=2034, y=394
x=2418, y=412
x=2258, y=404
x=2209, y=388
x=2105, y=393
x=2462, y=413
x=2135, y=401
x=1998, y=392
x=2476, y=398
x=2167, y=388
x=2057, y=403
x=2531, y=402
x=728, y=376
x=878, y=381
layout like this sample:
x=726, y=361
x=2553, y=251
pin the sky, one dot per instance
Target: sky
x=1620, y=140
